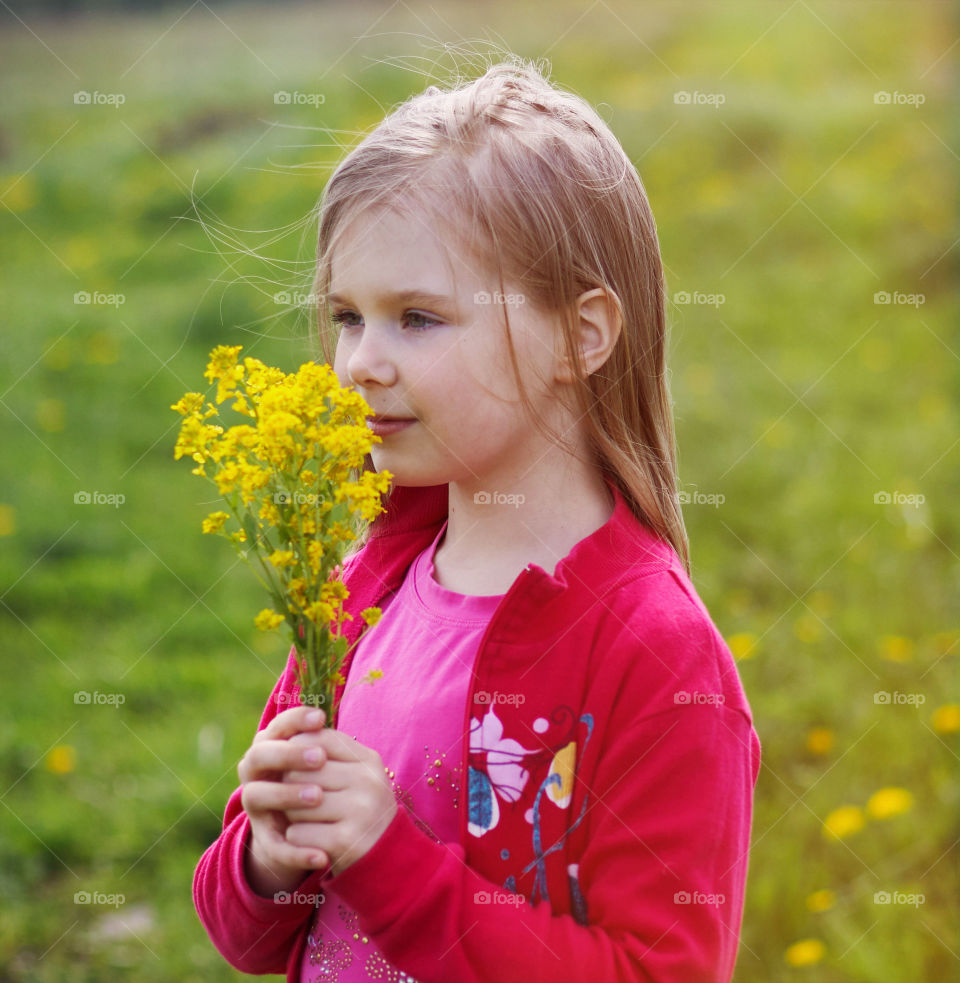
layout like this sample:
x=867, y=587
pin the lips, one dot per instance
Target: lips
x=384, y=426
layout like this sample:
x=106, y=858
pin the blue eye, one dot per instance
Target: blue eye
x=342, y=320
x=422, y=317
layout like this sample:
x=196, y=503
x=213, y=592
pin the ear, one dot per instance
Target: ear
x=598, y=325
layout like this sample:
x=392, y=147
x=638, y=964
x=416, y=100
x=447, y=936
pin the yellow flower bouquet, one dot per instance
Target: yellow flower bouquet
x=292, y=479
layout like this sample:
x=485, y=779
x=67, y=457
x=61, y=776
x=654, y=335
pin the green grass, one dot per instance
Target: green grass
x=797, y=399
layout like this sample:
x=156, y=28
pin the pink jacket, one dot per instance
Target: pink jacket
x=611, y=758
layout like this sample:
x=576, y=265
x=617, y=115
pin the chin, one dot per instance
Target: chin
x=411, y=477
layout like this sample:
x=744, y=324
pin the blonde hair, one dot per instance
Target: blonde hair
x=549, y=195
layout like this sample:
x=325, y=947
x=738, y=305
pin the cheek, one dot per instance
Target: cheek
x=340, y=356
x=482, y=377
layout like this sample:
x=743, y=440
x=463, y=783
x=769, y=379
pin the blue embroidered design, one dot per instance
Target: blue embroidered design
x=539, y=854
x=577, y=900
x=483, y=808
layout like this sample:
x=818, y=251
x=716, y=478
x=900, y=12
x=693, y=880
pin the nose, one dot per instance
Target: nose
x=365, y=355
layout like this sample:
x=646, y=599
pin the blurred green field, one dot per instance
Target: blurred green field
x=811, y=405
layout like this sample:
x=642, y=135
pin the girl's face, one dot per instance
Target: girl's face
x=438, y=355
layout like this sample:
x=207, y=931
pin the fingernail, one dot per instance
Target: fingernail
x=310, y=794
x=314, y=716
x=313, y=756
x=318, y=860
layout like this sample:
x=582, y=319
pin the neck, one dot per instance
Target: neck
x=493, y=533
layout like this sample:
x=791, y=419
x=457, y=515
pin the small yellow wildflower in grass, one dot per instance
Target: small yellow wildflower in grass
x=61, y=760
x=806, y=952
x=8, y=520
x=292, y=477
x=889, y=802
x=946, y=719
x=819, y=740
x=843, y=822
x=896, y=648
x=821, y=900
x=743, y=645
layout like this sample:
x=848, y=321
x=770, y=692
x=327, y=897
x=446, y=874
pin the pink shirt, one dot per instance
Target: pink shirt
x=425, y=644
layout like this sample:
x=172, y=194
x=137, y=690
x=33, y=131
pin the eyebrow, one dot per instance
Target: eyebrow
x=401, y=296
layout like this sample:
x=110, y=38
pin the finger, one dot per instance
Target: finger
x=337, y=744
x=268, y=757
x=310, y=836
x=292, y=721
x=334, y=807
x=276, y=851
x=340, y=746
x=333, y=776
x=328, y=810
x=265, y=797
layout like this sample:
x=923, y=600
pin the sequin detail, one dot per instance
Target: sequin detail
x=330, y=957
x=379, y=969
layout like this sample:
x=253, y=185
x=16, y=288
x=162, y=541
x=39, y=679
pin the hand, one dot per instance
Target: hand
x=356, y=805
x=273, y=863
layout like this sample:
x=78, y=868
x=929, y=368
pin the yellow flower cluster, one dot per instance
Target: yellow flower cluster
x=885, y=803
x=292, y=476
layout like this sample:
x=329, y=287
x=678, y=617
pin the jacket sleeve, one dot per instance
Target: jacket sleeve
x=663, y=871
x=254, y=934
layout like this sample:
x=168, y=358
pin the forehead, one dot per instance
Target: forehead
x=381, y=247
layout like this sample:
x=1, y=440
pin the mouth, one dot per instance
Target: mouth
x=384, y=426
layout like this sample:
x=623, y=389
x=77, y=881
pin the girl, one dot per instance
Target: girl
x=553, y=778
